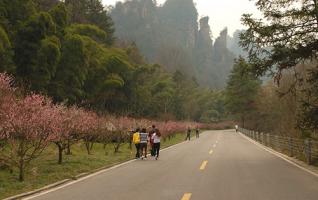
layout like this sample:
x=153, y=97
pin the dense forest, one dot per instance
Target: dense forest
x=173, y=36
x=284, y=48
x=68, y=50
x=103, y=58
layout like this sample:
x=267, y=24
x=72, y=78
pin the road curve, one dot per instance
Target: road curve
x=220, y=165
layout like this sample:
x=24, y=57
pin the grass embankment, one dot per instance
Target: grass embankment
x=45, y=170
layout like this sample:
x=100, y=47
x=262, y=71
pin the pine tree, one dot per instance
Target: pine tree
x=241, y=90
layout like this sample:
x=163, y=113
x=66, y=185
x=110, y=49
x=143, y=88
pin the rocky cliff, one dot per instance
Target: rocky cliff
x=171, y=36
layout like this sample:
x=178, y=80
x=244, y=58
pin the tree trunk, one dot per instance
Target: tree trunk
x=316, y=12
x=87, y=147
x=21, y=170
x=60, y=149
x=68, y=152
x=21, y=154
x=117, y=147
x=92, y=144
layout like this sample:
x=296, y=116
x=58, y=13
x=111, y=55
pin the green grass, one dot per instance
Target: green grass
x=45, y=170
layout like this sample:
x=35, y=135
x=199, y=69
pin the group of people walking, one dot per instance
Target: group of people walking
x=197, y=133
x=141, y=138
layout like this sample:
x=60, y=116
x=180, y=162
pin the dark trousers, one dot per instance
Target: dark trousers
x=152, y=150
x=197, y=135
x=143, y=148
x=137, y=150
x=188, y=137
x=156, y=148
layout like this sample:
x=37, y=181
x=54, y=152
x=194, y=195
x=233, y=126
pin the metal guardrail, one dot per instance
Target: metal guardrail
x=303, y=149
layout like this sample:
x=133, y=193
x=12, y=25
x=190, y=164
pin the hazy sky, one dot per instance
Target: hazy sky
x=222, y=13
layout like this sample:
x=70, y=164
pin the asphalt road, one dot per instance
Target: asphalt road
x=220, y=165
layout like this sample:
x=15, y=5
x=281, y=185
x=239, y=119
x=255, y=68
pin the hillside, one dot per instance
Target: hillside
x=173, y=36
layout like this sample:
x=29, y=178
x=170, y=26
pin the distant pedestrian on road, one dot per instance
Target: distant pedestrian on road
x=197, y=132
x=131, y=133
x=188, y=134
x=236, y=128
x=136, y=141
x=156, y=142
x=143, y=143
x=151, y=132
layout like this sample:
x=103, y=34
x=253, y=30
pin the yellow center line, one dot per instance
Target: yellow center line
x=203, y=165
x=186, y=196
x=211, y=151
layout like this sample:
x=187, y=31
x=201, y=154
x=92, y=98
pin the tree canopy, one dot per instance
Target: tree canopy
x=241, y=90
x=66, y=50
x=286, y=38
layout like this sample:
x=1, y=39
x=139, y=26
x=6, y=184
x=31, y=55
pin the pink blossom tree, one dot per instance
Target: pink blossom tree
x=121, y=133
x=88, y=128
x=29, y=124
x=105, y=130
x=7, y=97
x=67, y=123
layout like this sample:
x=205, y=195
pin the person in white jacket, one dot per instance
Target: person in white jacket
x=156, y=142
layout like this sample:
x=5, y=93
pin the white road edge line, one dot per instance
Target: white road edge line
x=92, y=175
x=280, y=155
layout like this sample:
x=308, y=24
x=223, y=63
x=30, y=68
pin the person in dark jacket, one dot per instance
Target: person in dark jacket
x=188, y=134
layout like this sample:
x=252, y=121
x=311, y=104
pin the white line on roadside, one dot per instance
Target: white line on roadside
x=280, y=155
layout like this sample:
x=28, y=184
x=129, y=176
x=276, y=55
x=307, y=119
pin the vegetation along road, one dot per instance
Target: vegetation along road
x=220, y=165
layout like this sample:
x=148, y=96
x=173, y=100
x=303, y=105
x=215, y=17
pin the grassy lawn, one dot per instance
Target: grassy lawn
x=45, y=170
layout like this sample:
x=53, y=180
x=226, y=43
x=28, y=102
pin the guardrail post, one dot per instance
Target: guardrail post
x=262, y=138
x=290, y=146
x=308, y=151
x=277, y=146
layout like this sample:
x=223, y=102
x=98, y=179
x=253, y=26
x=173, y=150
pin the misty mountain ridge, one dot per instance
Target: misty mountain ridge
x=172, y=35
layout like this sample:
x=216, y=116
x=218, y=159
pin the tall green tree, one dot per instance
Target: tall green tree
x=309, y=116
x=60, y=17
x=287, y=38
x=37, y=51
x=92, y=12
x=241, y=91
x=16, y=12
x=5, y=52
x=68, y=82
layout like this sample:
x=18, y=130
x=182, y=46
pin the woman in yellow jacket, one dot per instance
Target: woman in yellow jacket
x=136, y=141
